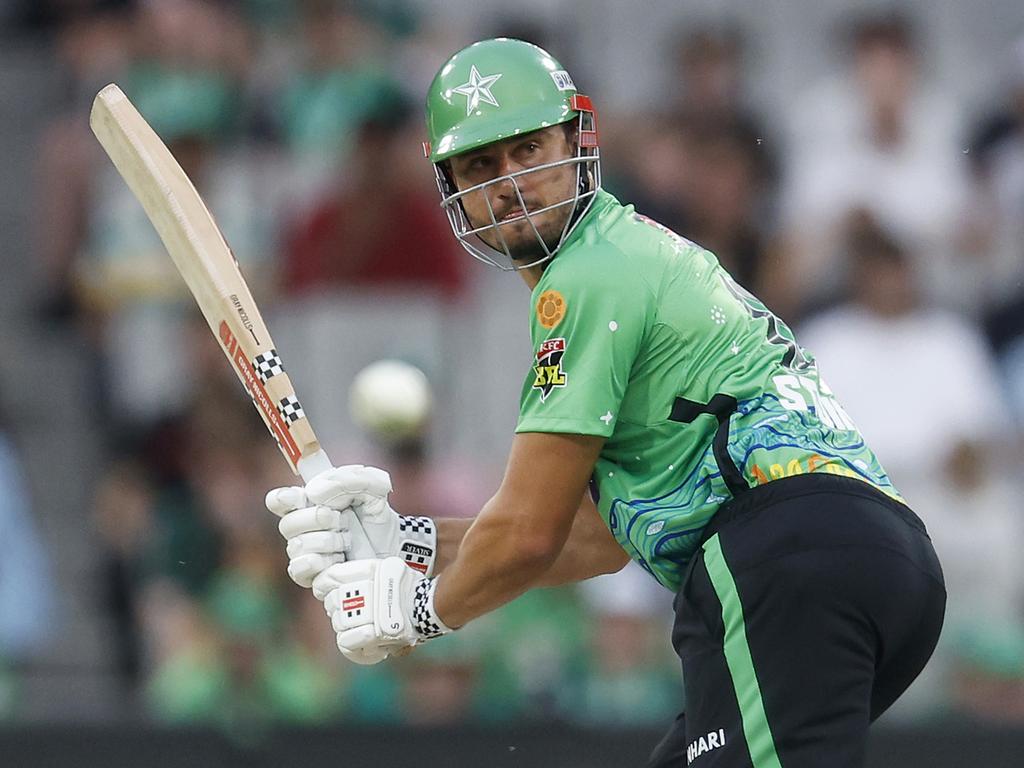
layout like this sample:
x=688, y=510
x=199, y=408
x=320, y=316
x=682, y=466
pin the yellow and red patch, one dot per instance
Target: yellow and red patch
x=550, y=308
x=548, y=370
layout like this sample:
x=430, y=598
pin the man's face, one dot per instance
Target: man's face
x=539, y=190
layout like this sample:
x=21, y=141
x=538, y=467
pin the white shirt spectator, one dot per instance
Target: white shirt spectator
x=921, y=386
x=915, y=188
x=915, y=385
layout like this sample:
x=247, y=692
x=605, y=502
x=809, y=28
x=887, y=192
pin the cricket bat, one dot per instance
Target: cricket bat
x=210, y=270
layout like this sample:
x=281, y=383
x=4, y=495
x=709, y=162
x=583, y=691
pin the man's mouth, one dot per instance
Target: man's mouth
x=515, y=213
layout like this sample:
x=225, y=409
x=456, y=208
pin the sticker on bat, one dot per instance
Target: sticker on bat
x=291, y=409
x=268, y=365
x=273, y=418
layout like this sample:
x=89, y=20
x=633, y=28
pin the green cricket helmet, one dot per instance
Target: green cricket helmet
x=495, y=90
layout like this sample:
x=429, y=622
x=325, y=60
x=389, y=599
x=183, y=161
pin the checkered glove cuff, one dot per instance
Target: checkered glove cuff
x=417, y=542
x=407, y=524
x=424, y=619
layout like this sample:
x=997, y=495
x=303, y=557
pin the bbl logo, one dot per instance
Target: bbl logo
x=548, y=368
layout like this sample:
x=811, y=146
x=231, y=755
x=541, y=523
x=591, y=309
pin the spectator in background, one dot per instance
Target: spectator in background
x=654, y=161
x=348, y=240
x=723, y=201
x=705, y=169
x=93, y=48
x=183, y=64
x=877, y=139
x=938, y=420
x=998, y=227
x=629, y=677
x=221, y=650
x=938, y=364
x=26, y=578
x=1006, y=331
x=168, y=54
x=124, y=518
x=342, y=78
x=155, y=504
x=442, y=686
x=709, y=67
x=997, y=158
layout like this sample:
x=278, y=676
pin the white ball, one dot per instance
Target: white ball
x=390, y=399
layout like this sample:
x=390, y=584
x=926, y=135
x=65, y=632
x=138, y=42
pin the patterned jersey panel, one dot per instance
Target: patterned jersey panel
x=641, y=337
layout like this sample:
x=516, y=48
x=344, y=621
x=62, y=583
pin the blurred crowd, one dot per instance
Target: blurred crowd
x=874, y=213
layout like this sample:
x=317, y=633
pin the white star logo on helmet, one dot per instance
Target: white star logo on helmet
x=478, y=90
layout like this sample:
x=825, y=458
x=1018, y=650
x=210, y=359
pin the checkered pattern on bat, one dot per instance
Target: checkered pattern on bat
x=423, y=618
x=268, y=365
x=290, y=409
x=409, y=524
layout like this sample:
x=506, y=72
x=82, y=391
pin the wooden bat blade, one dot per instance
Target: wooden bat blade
x=210, y=270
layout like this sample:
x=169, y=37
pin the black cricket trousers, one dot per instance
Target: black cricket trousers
x=811, y=605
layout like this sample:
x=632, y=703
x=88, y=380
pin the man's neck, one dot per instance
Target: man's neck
x=531, y=275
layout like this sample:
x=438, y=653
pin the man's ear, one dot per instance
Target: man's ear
x=571, y=135
x=449, y=177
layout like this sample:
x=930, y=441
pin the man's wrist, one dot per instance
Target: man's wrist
x=424, y=616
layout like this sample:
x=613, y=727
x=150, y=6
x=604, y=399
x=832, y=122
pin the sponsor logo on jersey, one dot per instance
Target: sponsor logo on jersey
x=548, y=371
x=550, y=309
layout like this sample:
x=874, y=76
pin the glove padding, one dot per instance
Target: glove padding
x=343, y=514
x=378, y=608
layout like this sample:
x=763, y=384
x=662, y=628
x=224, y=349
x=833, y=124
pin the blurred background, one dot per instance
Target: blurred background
x=857, y=165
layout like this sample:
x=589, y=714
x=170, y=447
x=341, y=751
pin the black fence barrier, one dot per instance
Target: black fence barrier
x=496, y=747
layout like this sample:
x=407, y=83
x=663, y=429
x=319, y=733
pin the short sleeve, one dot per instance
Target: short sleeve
x=587, y=329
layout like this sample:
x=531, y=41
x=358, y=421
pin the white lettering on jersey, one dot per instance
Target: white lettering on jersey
x=803, y=393
x=705, y=744
x=788, y=388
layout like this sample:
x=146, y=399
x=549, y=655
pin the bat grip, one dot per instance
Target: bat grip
x=312, y=465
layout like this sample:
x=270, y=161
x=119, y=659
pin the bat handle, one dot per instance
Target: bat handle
x=312, y=465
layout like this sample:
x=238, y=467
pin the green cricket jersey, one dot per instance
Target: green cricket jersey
x=641, y=337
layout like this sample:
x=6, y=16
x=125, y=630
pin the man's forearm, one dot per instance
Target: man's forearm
x=450, y=532
x=495, y=563
x=589, y=551
x=520, y=532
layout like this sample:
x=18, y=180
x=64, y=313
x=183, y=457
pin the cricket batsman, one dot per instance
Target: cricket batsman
x=667, y=416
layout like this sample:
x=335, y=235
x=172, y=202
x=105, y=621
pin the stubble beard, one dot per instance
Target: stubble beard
x=523, y=245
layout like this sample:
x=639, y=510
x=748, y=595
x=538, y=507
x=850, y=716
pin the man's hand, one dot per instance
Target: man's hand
x=343, y=514
x=378, y=607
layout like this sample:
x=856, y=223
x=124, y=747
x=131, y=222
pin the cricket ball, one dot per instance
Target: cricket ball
x=391, y=400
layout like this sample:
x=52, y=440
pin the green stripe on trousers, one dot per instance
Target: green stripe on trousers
x=760, y=743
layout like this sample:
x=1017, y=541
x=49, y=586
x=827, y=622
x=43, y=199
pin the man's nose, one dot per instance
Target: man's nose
x=506, y=165
x=505, y=188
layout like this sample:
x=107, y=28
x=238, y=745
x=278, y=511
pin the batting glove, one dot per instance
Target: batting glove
x=343, y=514
x=378, y=607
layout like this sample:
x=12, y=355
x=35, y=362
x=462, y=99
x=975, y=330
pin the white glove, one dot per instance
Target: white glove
x=343, y=514
x=378, y=607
